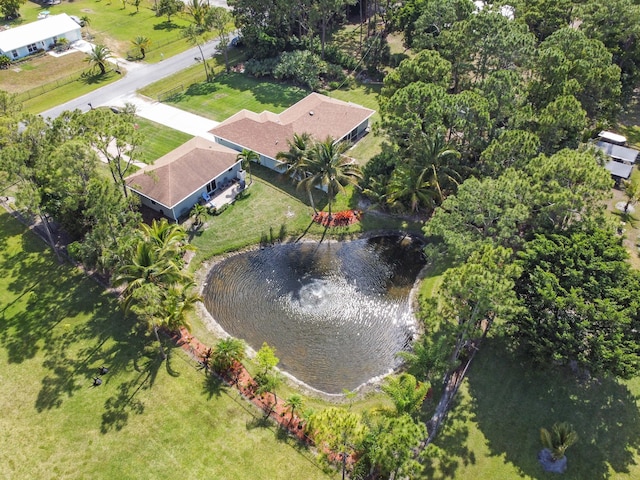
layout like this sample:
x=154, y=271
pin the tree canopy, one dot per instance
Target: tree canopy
x=581, y=301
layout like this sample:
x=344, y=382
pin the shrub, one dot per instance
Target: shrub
x=301, y=67
x=261, y=68
x=4, y=62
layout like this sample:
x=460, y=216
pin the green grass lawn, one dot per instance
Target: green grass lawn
x=116, y=24
x=274, y=209
x=230, y=93
x=493, y=432
x=158, y=140
x=149, y=419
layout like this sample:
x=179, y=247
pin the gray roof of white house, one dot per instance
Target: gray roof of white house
x=618, y=153
x=618, y=169
x=37, y=31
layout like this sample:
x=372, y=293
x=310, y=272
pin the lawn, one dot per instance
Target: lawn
x=116, y=24
x=158, y=140
x=272, y=210
x=493, y=432
x=149, y=419
x=229, y=93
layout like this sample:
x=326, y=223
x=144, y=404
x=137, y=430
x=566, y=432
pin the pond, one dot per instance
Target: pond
x=336, y=313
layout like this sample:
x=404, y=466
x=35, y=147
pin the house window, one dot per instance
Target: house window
x=32, y=48
x=14, y=53
x=211, y=186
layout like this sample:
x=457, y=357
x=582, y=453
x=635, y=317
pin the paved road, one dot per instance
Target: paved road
x=135, y=79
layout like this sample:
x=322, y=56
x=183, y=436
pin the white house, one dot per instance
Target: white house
x=42, y=34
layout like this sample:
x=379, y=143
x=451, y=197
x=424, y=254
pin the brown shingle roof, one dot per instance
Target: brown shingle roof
x=267, y=133
x=182, y=171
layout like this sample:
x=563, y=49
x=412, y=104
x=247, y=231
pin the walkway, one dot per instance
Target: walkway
x=167, y=115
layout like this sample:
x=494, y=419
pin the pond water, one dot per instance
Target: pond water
x=336, y=313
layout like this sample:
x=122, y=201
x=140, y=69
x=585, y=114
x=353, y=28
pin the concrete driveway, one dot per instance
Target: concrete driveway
x=166, y=115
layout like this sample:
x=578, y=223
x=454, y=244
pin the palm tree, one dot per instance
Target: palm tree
x=330, y=169
x=146, y=267
x=293, y=403
x=142, y=44
x=196, y=36
x=227, y=352
x=85, y=21
x=247, y=156
x=296, y=159
x=169, y=239
x=406, y=393
x=409, y=187
x=198, y=11
x=437, y=156
x=561, y=437
x=179, y=300
x=99, y=56
x=198, y=212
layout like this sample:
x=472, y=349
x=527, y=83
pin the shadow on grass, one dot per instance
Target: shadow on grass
x=512, y=400
x=166, y=26
x=94, y=78
x=213, y=386
x=198, y=89
x=450, y=449
x=120, y=406
x=265, y=91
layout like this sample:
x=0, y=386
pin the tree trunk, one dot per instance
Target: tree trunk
x=47, y=229
x=162, y=352
x=324, y=31
x=360, y=47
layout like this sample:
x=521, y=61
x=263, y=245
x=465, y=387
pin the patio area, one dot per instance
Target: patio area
x=224, y=194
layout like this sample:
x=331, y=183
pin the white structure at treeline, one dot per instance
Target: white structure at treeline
x=42, y=34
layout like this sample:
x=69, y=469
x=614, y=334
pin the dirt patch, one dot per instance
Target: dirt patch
x=629, y=226
x=43, y=70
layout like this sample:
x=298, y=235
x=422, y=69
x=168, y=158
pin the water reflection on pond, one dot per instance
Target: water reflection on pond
x=336, y=313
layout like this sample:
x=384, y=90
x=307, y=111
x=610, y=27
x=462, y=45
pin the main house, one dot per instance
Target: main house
x=267, y=133
x=195, y=171
x=42, y=34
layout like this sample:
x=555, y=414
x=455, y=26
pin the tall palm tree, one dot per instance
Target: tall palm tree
x=226, y=352
x=247, y=156
x=330, y=169
x=296, y=159
x=85, y=21
x=99, y=56
x=142, y=44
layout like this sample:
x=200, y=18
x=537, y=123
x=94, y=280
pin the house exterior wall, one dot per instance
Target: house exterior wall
x=264, y=160
x=182, y=208
x=31, y=48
